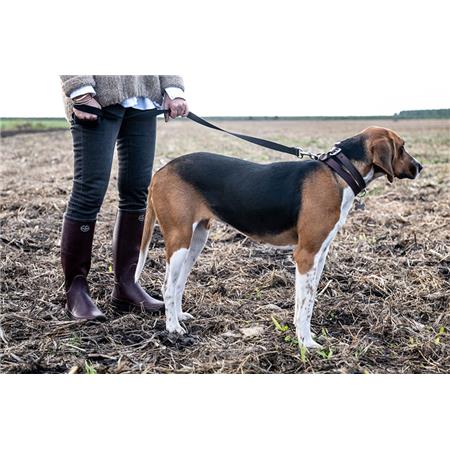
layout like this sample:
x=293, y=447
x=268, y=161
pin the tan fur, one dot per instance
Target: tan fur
x=386, y=150
x=321, y=200
x=177, y=206
x=289, y=237
x=149, y=225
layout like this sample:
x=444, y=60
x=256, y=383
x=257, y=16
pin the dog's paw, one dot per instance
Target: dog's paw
x=309, y=343
x=175, y=328
x=185, y=316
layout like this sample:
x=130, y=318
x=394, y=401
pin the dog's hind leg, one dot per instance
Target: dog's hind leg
x=183, y=249
x=177, y=257
x=183, y=216
x=177, y=271
x=198, y=241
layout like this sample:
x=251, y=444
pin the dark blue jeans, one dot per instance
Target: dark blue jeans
x=134, y=132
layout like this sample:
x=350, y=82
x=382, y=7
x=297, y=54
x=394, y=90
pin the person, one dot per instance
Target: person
x=127, y=120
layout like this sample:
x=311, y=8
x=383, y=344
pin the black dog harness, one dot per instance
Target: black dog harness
x=334, y=159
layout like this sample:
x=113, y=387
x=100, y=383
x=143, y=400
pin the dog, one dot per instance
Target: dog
x=299, y=203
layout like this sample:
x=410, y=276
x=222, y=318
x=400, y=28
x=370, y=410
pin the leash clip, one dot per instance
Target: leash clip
x=299, y=152
x=317, y=156
x=334, y=151
x=325, y=156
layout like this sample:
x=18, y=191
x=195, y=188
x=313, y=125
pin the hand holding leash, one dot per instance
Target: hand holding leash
x=174, y=108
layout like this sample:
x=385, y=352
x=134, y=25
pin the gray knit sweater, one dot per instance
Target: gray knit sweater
x=111, y=89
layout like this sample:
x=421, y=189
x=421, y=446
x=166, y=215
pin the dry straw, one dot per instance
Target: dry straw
x=384, y=297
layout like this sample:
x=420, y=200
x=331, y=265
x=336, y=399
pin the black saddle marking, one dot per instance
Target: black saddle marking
x=256, y=199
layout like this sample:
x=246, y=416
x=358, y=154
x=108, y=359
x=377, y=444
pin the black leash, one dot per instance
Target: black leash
x=258, y=141
x=334, y=159
x=263, y=142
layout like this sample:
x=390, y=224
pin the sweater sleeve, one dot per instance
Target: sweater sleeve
x=72, y=82
x=170, y=81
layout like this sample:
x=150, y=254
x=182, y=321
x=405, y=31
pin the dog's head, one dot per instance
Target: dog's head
x=386, y=151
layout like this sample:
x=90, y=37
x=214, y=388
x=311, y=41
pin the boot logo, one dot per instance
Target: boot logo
x=85, y=228
x=141, y=218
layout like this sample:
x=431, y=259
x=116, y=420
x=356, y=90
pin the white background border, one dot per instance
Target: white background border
x=211, y=412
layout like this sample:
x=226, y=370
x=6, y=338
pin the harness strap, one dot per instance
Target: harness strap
x=351, y=168
x=346, y=170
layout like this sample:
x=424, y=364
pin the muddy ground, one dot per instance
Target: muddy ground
x=383, y=303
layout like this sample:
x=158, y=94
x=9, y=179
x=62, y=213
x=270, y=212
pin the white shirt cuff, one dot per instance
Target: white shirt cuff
x=82, y=90
x=174, y=92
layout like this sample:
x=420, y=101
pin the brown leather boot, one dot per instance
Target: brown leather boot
x=76, y=251
x=127, y=293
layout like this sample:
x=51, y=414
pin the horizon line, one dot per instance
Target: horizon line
x=412, y=113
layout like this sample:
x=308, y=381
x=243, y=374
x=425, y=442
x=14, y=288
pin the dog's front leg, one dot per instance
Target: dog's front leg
x=305, y=293
x=307, y=273
x=318, y=273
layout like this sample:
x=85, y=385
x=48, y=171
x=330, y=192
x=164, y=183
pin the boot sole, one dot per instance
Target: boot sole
x=125, y=306
x=86, y=319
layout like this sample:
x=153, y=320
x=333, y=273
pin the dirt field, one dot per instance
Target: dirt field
x=383, y=303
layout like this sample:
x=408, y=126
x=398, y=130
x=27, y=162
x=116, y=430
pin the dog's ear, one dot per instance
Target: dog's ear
x=383, y=152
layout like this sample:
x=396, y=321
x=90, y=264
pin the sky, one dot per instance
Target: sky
x=236, y=57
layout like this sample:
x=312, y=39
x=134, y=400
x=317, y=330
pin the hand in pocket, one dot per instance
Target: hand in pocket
x=88, y=100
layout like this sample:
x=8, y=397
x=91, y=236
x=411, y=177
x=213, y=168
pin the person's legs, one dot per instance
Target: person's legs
x=136, y=149
x=93, y=148
x=136, y=152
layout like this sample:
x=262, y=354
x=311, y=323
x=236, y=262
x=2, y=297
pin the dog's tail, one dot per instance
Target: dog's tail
x=149, y=224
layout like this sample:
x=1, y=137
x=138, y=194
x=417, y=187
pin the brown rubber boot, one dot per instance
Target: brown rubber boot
x=76, y=251
x=127, y=293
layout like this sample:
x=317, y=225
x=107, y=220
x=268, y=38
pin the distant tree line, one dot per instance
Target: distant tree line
x=423, y=114
x=412, y=114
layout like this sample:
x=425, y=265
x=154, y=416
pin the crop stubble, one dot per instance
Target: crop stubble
x=383, y=303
